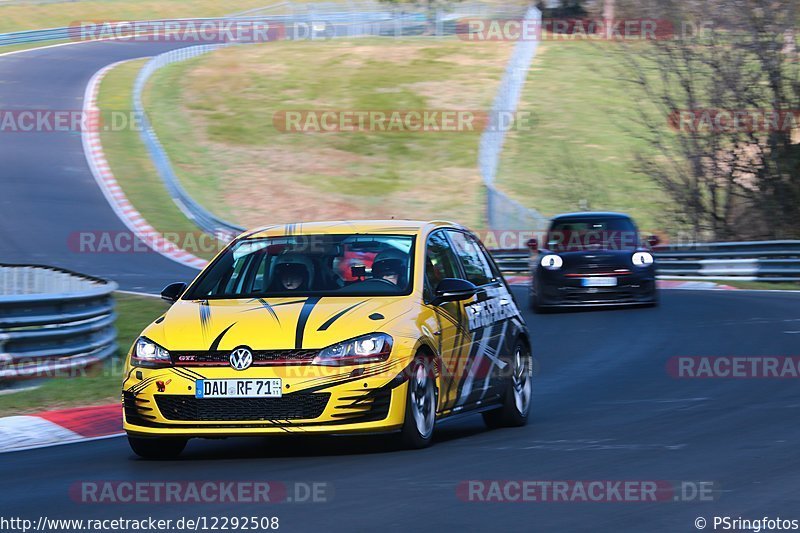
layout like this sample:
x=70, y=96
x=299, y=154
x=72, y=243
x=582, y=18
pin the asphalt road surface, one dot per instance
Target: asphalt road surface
x=605, y=408
x=47, y=192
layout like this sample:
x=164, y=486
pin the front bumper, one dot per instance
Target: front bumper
x=557, y=290
x=161, y=402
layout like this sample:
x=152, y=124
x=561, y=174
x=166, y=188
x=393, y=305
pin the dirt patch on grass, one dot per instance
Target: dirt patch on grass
x=229, y=98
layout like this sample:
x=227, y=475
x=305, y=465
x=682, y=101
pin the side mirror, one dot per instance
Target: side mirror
x=173, y=291
x=533, y=244
x=453, y=290
x=653, y=240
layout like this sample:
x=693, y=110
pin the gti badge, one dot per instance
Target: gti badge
x=241, y=358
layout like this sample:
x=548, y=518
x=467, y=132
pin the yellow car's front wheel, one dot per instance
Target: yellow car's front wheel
x=157, y=448
x=420, y=415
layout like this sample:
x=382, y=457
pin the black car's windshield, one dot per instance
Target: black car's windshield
x=617, y=233
x=310, y=265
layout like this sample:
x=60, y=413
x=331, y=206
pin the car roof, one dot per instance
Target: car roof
x=590, y=214
x=388, y=227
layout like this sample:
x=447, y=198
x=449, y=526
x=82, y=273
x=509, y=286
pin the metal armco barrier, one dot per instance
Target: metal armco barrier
x=205, y=220
x=727, y=261
x=53, y=322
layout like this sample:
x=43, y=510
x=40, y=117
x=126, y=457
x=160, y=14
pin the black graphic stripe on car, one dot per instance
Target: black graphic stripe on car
x=215, y=345
x=308, y=306
x=337, y=316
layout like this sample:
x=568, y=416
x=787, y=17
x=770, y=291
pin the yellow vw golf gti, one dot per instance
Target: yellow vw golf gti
x=334, y=327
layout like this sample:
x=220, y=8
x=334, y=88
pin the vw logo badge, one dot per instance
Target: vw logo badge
x=241, y=358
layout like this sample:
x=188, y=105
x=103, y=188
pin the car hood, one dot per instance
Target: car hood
x=273, y=323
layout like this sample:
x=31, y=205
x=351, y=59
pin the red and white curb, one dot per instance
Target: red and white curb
x=114, y=194
x=65, y=426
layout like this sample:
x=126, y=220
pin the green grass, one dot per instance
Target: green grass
x=131, y=164
x=32, y=16
x=28, y=46
x=214, y=116
x=585, y=139
x=764, y=285
x=98, y=386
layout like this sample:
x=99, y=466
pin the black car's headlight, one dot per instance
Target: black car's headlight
x=365, y=349
x=642, y=259
x=552, y=262
x=148, y=353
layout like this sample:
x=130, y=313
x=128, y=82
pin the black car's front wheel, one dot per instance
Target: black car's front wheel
x=517, y=397
x=420, y=417
x=157, y=448
x=534, y=300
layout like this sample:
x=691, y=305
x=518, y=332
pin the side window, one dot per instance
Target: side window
x=440, y=263
x=472, y=259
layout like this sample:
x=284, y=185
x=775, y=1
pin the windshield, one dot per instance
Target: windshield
x=310, y=265
x=567, y=235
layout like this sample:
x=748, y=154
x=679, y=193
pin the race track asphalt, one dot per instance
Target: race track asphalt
x=47, y=192
x=605, y=408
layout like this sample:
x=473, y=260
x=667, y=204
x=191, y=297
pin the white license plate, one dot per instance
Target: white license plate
x=238, y=388
x=599, y=282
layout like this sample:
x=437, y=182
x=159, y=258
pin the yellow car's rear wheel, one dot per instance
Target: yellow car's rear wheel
x=517, y=397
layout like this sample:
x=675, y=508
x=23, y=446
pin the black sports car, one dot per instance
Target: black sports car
x=592, y=259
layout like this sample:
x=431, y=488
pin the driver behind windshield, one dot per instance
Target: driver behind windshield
x=291, y=277
x=391, y=266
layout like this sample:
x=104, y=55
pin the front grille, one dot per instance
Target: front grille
x=601, y=270
x=292, y=406
x=260, y=357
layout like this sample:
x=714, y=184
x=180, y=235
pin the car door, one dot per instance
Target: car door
x=485, y=317
x=448, y=324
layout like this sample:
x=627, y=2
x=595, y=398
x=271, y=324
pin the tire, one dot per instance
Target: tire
x=157, y=448
x=517, y=397
x=421, y=402
x=533, y=300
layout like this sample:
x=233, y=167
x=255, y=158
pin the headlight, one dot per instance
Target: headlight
x=367, y=349
x=552, y=262
x=642, y=259
x=148, y=353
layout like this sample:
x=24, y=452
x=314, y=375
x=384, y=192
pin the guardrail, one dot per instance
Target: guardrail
x=205, y=220
x=502, y=211
x=727, y=261
x=344, y=19
x=53, y=322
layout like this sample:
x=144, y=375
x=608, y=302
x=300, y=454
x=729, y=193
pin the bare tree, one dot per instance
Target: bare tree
x=728, y=59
